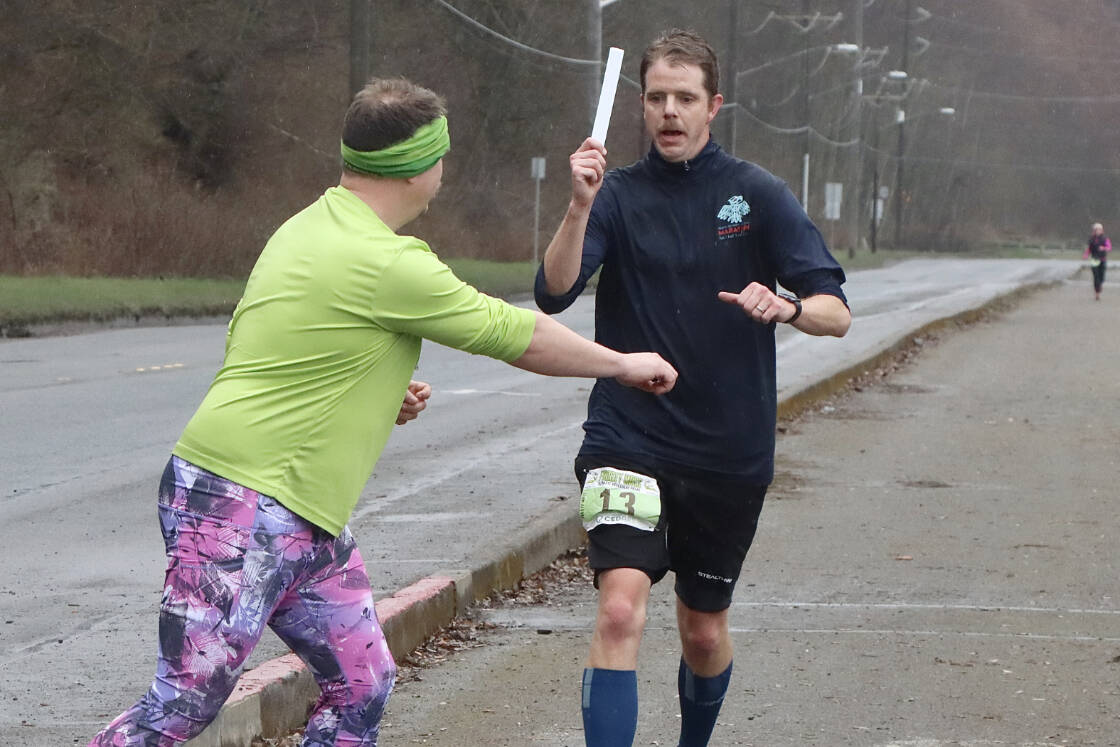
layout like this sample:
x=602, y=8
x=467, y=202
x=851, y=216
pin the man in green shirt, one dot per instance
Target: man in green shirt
x=255, y=499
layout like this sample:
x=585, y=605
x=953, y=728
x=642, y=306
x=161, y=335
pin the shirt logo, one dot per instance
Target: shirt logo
x=735, y=210
x=732, y=214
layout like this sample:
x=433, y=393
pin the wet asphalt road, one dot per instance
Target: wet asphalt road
x=937, y=565
x=88, y=421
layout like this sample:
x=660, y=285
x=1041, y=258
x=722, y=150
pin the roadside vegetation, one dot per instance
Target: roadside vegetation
x=31, y=300
x=26, y=301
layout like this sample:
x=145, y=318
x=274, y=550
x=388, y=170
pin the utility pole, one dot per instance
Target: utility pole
x=733, y=65
x=360, y=43
x=874, y=182
x=594, y=52
x=805, y=108
x=900, y=193
x=856, y=161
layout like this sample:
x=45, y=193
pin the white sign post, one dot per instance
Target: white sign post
x=833, y=198
x=880, y=202
x=536, y=171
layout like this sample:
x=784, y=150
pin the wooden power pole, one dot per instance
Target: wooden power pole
x=361, y=42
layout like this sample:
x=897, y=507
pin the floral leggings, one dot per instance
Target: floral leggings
x=237, y=560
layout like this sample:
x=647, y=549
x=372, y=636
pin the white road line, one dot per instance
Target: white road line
x=966, y=743
x=930, y=633
x=555, y=622
x=427, y=518
x=430, y=480
x=490, y=391
x=916, y=606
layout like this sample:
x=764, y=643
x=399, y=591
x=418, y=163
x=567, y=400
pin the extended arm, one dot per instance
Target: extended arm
x=821, y=314
x=556, y=350
x=420, y=296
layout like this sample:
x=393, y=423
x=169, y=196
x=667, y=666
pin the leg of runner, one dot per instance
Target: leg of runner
x=330, y=622
x=228, y=558
x=610, y=682
x=704, y=673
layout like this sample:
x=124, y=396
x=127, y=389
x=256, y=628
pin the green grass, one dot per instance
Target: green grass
x=29, y=300
x=501, y=279
x=32, y=300
x=866, y=260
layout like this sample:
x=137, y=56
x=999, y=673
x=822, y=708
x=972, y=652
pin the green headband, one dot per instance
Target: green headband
x=409, y=157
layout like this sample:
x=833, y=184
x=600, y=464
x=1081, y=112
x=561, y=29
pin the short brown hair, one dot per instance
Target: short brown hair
x=680, y=46
x=387, y=111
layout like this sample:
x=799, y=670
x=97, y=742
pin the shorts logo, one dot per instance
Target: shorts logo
x=732, y=214
x=713, y=577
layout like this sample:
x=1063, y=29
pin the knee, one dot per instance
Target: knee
x=365, y=694
x=621, y=618
x=702, y=639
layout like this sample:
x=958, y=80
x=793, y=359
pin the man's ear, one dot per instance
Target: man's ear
x=717, y=102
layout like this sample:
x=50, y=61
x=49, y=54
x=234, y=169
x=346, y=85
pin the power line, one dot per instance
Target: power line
x=526, y=48
x=998, y=165
x=513, y=42
x=802, y=24
x=1028, y=55
x=996, y=29
x=1112, y=98
x=532, y=50
x=801, y=130
x=828, y=48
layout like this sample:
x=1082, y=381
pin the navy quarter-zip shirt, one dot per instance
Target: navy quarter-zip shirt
x=669, y=237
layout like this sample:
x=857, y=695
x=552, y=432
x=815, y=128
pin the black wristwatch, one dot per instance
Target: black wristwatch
x=796, y=306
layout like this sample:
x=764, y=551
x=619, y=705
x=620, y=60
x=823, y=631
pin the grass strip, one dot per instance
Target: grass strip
x=49, y=299
x=32, y=300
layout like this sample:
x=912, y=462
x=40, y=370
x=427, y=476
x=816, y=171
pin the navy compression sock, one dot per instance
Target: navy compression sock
x=701, y=698
x=610, y=707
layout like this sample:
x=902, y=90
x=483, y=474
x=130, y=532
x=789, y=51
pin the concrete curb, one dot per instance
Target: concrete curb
x=274, y=699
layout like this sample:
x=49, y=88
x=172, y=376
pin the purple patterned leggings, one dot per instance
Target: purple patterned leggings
x=237, y=560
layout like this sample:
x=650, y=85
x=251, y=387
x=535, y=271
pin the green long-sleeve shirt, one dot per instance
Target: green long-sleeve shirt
x=320, y=351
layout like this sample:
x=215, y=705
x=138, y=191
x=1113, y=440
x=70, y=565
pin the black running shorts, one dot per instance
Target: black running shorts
x=707, y=525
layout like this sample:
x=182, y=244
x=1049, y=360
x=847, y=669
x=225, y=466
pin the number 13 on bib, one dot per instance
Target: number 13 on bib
x=616, y=496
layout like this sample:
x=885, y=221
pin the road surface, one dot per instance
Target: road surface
x=88, y=422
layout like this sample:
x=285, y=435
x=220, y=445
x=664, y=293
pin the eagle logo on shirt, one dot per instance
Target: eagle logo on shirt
x=735, y=210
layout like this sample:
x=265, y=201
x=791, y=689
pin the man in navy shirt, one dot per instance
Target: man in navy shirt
x=692, y=243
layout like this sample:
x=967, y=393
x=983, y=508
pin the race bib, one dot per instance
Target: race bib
x=615, y=496
x=1095, y=262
